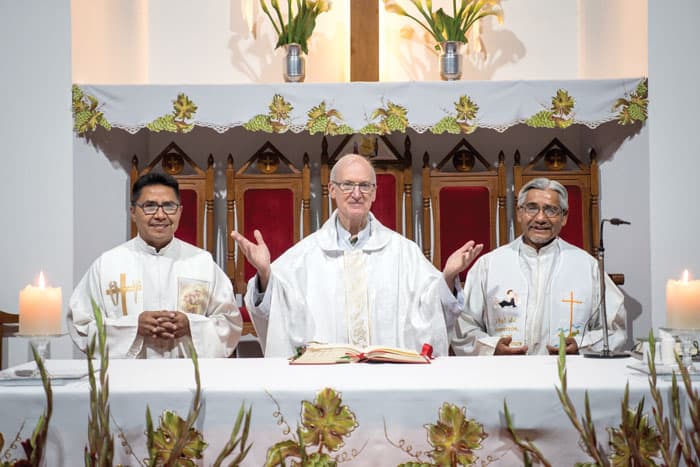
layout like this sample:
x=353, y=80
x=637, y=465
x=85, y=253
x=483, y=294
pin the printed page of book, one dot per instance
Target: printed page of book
x=327, y=354
x=394, y=355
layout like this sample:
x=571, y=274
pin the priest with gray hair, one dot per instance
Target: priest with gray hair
x=353, y=281
x=520, y=297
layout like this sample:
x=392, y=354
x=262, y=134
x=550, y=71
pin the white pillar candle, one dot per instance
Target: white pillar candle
x=40, y=309
x=683, y=303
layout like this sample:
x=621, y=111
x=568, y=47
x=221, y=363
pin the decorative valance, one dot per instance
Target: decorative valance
x=366, y=108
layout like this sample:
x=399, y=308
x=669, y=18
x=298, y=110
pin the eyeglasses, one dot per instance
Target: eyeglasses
x=151, y=207
x=532, y=209
x=349, y=187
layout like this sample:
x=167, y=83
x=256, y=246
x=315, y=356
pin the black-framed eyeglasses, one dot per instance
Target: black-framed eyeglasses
x=532, y=209
x=349, y=187
x=151, y=207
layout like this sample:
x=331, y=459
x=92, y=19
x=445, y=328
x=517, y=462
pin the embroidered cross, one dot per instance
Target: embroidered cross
x=571, y=302
x=115, y=291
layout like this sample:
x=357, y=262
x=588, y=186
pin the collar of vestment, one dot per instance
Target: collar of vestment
x=378, y=238
x=526, y=250
x=167, y=250
x=345, y=238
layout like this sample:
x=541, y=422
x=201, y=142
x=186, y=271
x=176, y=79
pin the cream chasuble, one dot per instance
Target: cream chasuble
x=134, y=277
x=533, y=297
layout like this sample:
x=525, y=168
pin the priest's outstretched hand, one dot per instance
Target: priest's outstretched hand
x=460, y=260
x=257, y=254
x=503, y=347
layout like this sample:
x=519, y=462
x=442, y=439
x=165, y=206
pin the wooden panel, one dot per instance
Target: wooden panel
x=364, y=40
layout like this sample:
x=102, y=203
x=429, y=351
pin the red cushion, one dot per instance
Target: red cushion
x=244, y=314
x=572, y=232
x=464, y=215
x=187, y=229
x=384, y=206
x=271, y=211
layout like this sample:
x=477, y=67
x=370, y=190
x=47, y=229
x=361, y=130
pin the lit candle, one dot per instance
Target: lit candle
x=40, y=309
x=683, y=303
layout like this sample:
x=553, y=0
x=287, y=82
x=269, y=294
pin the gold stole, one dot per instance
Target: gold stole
x=356, y=306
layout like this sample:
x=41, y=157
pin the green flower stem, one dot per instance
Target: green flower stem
x=267, y=12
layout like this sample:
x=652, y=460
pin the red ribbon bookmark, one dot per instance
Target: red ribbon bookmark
x=427, y=351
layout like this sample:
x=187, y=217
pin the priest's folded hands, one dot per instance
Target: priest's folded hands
x=163, y=324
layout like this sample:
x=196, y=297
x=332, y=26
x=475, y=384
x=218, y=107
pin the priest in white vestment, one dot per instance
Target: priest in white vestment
x=353, y=281
x=518, y=298
x=157, y=293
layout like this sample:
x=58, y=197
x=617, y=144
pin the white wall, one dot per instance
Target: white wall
x=674, y=191
x=37, y=188
x=612, y=38
x=110, y=41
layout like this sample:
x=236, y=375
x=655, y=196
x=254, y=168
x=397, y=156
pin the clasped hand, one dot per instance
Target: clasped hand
x=163, y=324
x=503, y=347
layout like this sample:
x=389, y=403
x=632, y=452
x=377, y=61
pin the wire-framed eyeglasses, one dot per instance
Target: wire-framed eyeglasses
x=532, y=209
x=349, y=187
x=151, y=207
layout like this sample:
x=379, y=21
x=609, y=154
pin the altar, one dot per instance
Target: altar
x=383, y=413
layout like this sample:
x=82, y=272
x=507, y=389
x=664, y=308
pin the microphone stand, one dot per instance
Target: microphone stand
x=606, y=352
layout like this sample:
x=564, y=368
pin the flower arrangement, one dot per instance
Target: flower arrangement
x=300, y=22
x=444, y=27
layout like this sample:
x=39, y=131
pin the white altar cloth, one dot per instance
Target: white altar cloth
x=402, y=397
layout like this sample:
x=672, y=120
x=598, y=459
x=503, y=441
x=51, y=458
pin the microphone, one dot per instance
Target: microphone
x=606, y=352
x=616, y=221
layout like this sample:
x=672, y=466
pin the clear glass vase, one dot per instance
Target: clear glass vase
x=451, y=60
x=294, y=64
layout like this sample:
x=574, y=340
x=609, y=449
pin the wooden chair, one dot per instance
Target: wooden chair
x=581, y=180
x=272, y=195
x=393, y=205
x=196, y=194
x=9, y=320
x=463, y=201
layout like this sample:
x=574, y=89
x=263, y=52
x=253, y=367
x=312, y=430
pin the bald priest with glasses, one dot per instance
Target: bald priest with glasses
x=353, y=281
x=518, y=298
x=156, y=293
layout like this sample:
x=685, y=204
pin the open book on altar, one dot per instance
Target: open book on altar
x=327, y=354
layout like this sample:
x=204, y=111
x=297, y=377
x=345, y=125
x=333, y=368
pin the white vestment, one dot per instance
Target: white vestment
x=533, y=297
x=134, y=277
x=402, y=302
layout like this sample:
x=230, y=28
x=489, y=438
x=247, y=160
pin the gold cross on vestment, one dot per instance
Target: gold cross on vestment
x=115, y=291
x=571, y=302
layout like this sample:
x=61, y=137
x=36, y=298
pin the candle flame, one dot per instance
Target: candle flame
x=685, y=277
x=42, y=283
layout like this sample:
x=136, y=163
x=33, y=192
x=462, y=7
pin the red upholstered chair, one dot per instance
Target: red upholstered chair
x=270, y=194
x=462, y=201
x=196, y=193
x=393, y=204
x=558, y=163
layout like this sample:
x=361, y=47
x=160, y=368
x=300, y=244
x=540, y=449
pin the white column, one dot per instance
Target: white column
x=674, y=152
